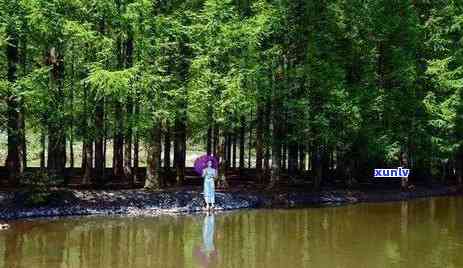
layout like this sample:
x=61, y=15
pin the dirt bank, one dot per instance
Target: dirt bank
x=62, y=202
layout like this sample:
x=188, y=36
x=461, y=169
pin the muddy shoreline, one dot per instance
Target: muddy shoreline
x=141, y=202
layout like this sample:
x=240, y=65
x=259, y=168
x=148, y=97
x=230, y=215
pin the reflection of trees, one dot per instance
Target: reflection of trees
x=95, y=242
x=48, y=246
x=398, y=234
x=13, y=249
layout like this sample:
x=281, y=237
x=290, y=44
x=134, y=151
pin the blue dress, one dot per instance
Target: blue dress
x=209, y=191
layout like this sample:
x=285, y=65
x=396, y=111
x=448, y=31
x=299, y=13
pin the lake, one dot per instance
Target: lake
x=417, y=233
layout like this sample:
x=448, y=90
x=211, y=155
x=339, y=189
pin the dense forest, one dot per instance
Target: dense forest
x=310, y=89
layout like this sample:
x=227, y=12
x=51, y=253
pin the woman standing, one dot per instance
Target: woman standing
x=209, y=174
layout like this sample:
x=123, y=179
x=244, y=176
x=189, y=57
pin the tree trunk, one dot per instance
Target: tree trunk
x=284, y=153
x=88, y=164
x=128, y=142
x=84, y=156
x=267, y=162
x=100, y=129
x=71, y=123
x=56, y=132
x=14, y=160
x=175, y=150
x=87, y=151
x=136, y=155
x=167, y=145
x=209, y=140
x=317, y=166
x=259, y=142
x=136, y=146
x=99, y=142
x=228, y=150
x=153, y=178
x=23, y=145
x=292, y=144
x=276, y=152
x=267, y=137
x=331, y=154
x=250, y=142
x=325, y=162
x=222, y=173
x=16, y=142
x=71, y=151
x=233, y=141
x=276, y=138
x=404, y=162
x=292, y=159
x=42, y=149
x=160, y=157
x=302, y=163
x=216, y=137
x=128, y=62
x=105, y=147
x=23, y=62
x=180, y=140
x=56, y=151
x=242, y=140
x=118, y=146
x=181, y=117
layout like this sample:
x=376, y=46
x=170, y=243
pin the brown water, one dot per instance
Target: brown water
x=419, y=233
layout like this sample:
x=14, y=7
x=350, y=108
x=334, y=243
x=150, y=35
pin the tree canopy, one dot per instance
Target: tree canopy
x=352, y=85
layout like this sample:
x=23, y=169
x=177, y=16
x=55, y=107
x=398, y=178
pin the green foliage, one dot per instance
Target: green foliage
x=115, y=84
x=369, y=79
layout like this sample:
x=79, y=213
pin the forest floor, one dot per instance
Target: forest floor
x=73, y=202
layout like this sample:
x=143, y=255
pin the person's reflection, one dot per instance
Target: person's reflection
x=206, y=253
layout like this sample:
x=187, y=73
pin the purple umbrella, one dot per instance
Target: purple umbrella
x=201, y=163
